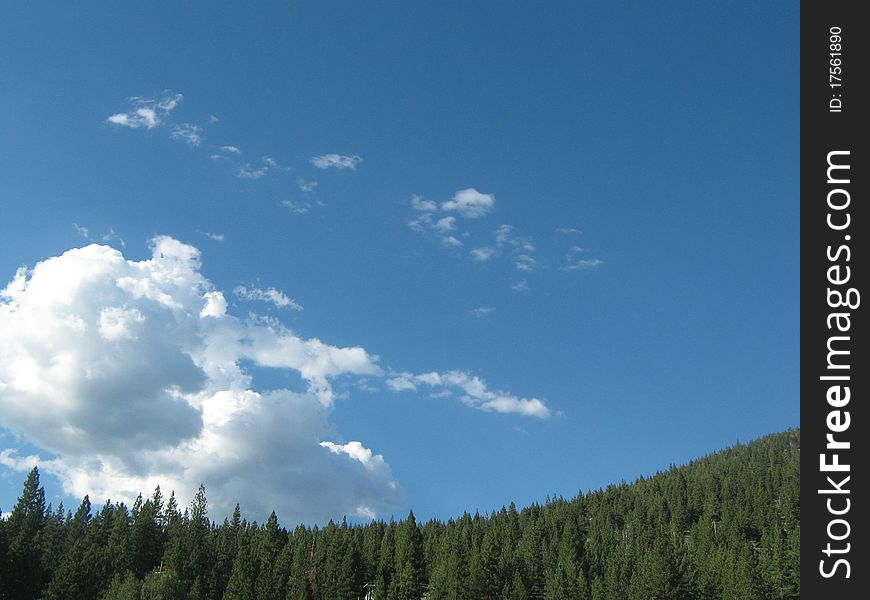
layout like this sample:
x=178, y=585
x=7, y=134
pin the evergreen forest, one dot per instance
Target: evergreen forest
x=724, y=526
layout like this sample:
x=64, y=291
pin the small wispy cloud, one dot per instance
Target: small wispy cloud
x=420, y=203
x=471, y=391
x=568, y=230
x=516, y=246
x=188, y=133
x=296, y=208
x=524, y=262
x=586, y=263
x=254, y=171
x=521, y=286
x=82, y=231
x=306, y=185
x=469, y=203
x=482, y=311
x=575, y=260
x=451, y=242
x=445, y=225
x=482, y=254
x=249, y=172
x=218, y=237
x=421, y=223
x=336, y=161
x=226, y=152
x=114, y=237
x=503, y=233
x=146, y=113
x=276, y=297
x=505, y=236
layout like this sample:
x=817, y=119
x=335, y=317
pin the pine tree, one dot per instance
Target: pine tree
x=270, y=583
x=25, y=574
x=173, y=554
x=407, y=583
x=567, y=581
x=299, y=585
x=146, y=535
x=243, y=576
x=486, y=581
x=386, y=564
x=53, y=535
x=348, y=576
x=119, y=545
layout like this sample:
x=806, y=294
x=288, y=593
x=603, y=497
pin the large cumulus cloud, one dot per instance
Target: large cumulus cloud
x=128, y=374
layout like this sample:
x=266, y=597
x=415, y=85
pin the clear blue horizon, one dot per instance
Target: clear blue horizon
x=447, y=256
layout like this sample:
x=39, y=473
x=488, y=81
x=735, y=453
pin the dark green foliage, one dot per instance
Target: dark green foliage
x=22, y=570
x=123, y=587
x=163, y=585
x=724, y=527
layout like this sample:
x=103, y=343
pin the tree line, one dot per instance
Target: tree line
x=726, y=526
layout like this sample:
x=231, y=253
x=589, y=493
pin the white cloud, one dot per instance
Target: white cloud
x=576, y=261
x=141, y=117
x=445, y=225
x=278, y=298
x=113, y=237
x=401, y=384
x=366, y=512
x=306, y=185
x=503, y=234
x=521, y=286
x=336, y=161
x=482, y=254
x=421, y=223
x=482, y=311
x=188, y=133
x=82, y=231
x=118, y=323
x=218, y=237
x=249, y=172
x=231, y=150
x=147, y=113
x=299, y=209
x=472, y=391
x=586, y=263
x=568, y=230
x=128, y=374
x=420, y=203
x=168, y=103
x=358, y=452
x=215, y=305
x=450, y=242
x=470, y=203
x=524, y=262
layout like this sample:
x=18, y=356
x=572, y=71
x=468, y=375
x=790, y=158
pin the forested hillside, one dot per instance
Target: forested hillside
x=724, y=526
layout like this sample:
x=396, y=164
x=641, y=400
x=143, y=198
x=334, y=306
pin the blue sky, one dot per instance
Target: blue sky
x=582, y=217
